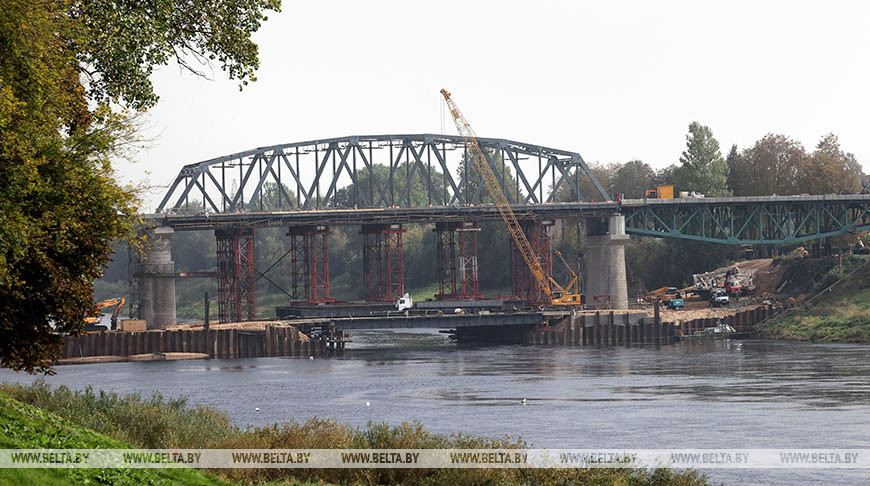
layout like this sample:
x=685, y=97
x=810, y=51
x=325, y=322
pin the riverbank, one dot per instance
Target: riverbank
x=26, y=426
x=87, y=415
x=837, y=312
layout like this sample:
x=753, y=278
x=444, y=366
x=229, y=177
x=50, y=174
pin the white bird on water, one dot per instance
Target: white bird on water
x=257, y=409
x=311, y=357
x=368, y=404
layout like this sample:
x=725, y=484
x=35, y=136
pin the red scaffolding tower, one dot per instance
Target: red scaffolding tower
x=457, y=272
x=235, y=265
x=523, y=283
x=383, y=261
x=309, y=262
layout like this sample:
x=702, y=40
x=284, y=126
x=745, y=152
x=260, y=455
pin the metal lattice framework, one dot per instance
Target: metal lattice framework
x=445, y=260
x=318, y=175
x=235, y=263
x=523, y=284
x=469, y=279
x=383, y=262
x=309, y=262
x=749, y=220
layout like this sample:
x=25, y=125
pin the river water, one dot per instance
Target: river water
x=715, y=394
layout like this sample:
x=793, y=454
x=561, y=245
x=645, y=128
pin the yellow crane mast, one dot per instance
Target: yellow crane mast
x=561, y=296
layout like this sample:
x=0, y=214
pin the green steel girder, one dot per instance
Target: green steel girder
x=744, y=221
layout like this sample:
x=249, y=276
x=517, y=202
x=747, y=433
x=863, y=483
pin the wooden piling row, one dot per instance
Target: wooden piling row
x=216, y=343
x=743, y=321
x=608, y=329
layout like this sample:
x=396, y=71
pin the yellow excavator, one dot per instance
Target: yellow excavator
x=118, y=302
x=555, y=293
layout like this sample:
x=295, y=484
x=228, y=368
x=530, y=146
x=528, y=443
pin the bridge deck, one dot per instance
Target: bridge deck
x=208, y=221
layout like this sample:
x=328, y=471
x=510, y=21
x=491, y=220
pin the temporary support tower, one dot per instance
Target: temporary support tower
x=235, y=265
x=524, y=284
x=383, y=261
x=309, y=262
x=457, y=264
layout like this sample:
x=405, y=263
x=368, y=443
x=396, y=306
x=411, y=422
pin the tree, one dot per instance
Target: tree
x=769, y=167
x=632, y=179
x=702, y=168
x=71, y=72
x=731, y=161
x=829, y=170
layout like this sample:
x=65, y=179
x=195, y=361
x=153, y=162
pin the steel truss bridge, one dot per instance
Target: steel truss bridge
x=382, y=182
x=310, y=175
x=748, y=220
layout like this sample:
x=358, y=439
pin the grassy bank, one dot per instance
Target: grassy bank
x=838, y=315
x=25, y=426
x=159, y=423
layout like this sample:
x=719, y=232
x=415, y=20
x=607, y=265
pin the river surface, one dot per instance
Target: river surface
x=716, y=394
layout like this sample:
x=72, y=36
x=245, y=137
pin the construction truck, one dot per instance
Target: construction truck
x=719, y=297
x=661, y=192
x=555, y=293
x=734, y=288
x=93, y=323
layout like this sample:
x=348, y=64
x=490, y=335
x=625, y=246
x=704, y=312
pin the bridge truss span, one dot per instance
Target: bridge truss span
x=378, y=171
x=748, y=220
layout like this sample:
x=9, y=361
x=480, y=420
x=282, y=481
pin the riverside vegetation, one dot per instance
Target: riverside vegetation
x=838, y=314
x=37, y=416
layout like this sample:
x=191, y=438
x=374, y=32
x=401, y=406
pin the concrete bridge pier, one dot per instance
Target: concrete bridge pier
x=157, y=280
x=605, y=279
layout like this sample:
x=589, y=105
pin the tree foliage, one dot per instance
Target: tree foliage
x=829, y=169
x=632, y=179
x=69, y=72
x=778, y=164
x=702, y=168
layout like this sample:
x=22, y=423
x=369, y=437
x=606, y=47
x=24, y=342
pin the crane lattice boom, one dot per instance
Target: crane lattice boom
x=501, y=202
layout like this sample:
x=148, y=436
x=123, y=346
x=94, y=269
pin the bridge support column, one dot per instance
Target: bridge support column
x=524, y=285
x=383, y=261
x=157, y=280
x=235, y=269
x=605, y=278
x=309, y=261
x=456, y=260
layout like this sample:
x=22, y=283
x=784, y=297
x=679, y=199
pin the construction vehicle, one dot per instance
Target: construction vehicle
x=658, y=293
x=719, y=297
x=93, y=322
x=675, y=302
x=734, y=288
x=668, y=296
x=555, y=293
x=661, y=192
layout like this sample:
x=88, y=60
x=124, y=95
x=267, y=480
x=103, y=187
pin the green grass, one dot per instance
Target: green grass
x=840, y=316
x=160, y=423
x=24, y=426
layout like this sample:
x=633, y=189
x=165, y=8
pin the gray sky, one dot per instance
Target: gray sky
x=614, y=81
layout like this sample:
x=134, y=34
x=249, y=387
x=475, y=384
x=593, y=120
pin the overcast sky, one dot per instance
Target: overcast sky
x=614, y=80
